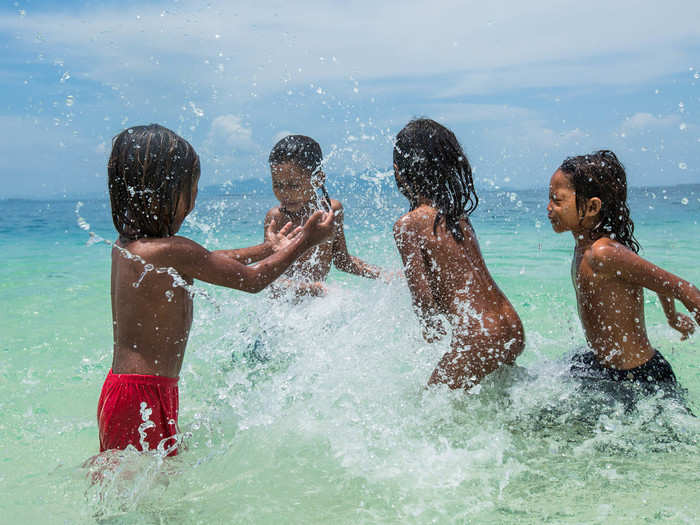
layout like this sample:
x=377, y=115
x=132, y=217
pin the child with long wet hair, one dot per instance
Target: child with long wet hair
x=588, y=197
x=153, y=175
x=298, y=182
x=445, y=270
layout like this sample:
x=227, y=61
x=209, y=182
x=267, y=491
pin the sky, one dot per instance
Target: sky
x=522, y=85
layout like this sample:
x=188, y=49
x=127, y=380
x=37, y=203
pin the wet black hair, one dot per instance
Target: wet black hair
x=302, y=151
x=601, y=174
x=431, y=163
x=150, y=171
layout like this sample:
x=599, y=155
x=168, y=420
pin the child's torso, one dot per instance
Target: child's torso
x=151, y=317
x=612, y=314
x=315, y=264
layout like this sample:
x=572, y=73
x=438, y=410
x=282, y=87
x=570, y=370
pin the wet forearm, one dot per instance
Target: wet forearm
x=357, y=266
x=668, y=305
x=250, y=254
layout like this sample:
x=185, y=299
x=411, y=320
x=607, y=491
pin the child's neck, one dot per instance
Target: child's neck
x=582, y=234
x=424, y=201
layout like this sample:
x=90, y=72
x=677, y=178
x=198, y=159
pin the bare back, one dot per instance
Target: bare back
x=460, y=281
x=451, y=278
x=151, y=317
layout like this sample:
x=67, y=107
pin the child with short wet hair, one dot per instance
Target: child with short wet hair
x=153, y=175
x=298, y=182
x=588, y=197
x=445, y=270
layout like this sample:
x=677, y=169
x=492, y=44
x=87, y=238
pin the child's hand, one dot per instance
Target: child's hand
x=683, y=324
x=317, y=289
x=319, y=227
x=433, y=329
x=279, y=240
x=692, y=301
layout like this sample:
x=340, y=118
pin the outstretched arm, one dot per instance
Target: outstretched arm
x=618, y=260
x=342, y=259
x=220, y=268
x=408, y=244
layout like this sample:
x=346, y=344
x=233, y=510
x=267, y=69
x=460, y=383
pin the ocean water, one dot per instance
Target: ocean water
x=318, y=412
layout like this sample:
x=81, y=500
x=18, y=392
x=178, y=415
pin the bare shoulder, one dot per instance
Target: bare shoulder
x=605, y=250
x=165, y=251
x=412, y=225
x=606, y=255
x=273, y=213
x=337, y=207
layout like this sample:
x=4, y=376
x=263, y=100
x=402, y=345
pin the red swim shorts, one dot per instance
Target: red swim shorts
x=138, y=410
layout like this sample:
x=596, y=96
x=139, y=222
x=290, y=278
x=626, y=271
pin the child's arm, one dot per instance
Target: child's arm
x=621, y=262
x=341, y=258
x=197, y=262
x=408, y=244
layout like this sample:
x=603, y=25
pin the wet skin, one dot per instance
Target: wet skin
x=152, y=321
x=294, y=188
x=609, y=280
x=450, y=277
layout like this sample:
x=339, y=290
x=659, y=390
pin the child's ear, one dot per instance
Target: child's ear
x=593, y=206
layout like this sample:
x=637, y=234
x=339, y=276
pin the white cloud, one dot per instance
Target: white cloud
x=258, y=47
x=646, y=122
x=229, y=132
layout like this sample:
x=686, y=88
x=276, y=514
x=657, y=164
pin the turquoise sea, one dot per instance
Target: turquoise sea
x=327, y=420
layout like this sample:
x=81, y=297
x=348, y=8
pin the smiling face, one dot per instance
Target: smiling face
x=292, y=186
x=561, y=210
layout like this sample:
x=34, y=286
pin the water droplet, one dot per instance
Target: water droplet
x=683, y=126
x=69, y=100
x=684, y=201
x=696, y=75
x=65, y=77
x=683, y=165
x=197, y=111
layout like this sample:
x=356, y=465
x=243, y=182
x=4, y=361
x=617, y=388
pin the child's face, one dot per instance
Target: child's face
x=561, y=210
x=183, y=210
x=292, y=185
x=401, y=183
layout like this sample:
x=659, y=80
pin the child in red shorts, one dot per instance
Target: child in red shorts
x=153, y=175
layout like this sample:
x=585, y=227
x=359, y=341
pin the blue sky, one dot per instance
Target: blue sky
x=522, y=84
